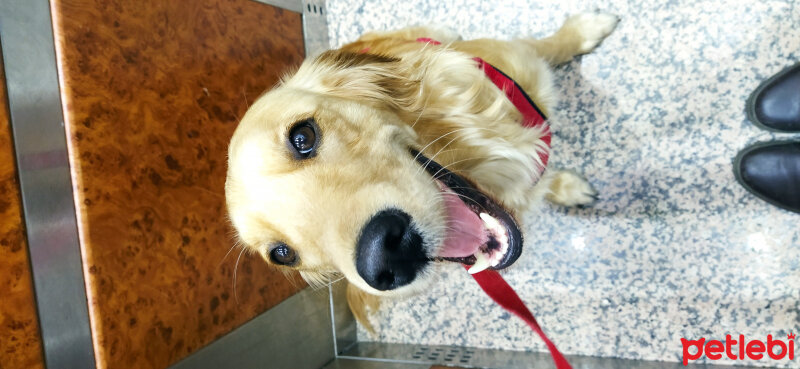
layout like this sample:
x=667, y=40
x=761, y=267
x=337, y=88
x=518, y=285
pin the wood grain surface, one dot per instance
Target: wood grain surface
x=152, y=91
x=20, y=343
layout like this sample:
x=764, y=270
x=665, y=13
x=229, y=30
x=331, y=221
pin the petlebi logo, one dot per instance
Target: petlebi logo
x=739, y=349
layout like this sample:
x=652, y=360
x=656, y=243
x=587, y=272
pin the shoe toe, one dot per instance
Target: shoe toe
x=772, y=172
x=776, y=104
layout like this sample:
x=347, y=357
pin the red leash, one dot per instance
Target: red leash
x=498, y=289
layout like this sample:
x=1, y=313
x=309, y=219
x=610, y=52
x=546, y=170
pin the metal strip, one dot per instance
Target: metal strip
x=333, y=320
x=296, y=334
x=26, y=35
x=293, y=5
x=370, y=364
x=315, y=27
x=344, y=324
x=397, y=354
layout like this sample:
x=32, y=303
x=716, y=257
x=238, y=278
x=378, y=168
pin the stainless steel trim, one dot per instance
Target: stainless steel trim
x=293, y=5
x=295, y=334
x=28, y=49
x=315, y=27
x=370, y=364
x=391, y=354
x=344, y=324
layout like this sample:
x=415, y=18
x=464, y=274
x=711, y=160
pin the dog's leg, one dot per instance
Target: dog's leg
x=568, y=188
x=580, y=34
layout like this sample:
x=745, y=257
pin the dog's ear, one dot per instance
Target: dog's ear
x=361, y=303
x=366, y=77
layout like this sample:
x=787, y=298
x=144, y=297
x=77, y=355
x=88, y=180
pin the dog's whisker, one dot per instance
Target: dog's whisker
x=454, y=229
x=425, y=166
x=443, y=136
x=473, y=200
x=476, y=128
x=235, y=268
x=434, y=141
x=447, y=134
x=334, y=281
x=435, y=175
x=422, y=109
x=461, y=187
x=216, y=194
x=238, y=118
x=235, y=244
x=320, y=279
x=464, y=188
x=430, y=160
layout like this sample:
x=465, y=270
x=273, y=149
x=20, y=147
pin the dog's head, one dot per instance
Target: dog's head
x=327, y=177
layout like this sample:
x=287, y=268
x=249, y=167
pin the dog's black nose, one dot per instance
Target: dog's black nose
x=389, y=251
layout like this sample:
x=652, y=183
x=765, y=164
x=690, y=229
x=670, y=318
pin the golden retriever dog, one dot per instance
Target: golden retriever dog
x=387, y=157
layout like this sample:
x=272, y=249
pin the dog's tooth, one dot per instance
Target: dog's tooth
x=491, y=223
x=496, y=260
x=481, y=263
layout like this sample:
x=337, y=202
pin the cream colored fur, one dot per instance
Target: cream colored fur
x=373, y=100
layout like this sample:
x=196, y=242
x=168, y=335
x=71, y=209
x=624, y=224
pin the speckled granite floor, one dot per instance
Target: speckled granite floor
x=674, y=248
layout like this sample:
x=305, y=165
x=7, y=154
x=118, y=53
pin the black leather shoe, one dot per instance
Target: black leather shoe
x=771, y=171
x=775, y=104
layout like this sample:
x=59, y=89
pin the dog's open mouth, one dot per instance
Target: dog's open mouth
x=480, y=232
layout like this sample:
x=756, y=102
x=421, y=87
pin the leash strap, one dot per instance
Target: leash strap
x=498, y=289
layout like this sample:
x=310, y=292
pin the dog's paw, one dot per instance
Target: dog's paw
x=568, y=188
x=592, y=28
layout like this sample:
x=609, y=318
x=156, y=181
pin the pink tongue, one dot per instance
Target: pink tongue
x=465, y=230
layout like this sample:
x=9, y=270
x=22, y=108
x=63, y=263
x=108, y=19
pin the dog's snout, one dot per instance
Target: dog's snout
x=389, y=252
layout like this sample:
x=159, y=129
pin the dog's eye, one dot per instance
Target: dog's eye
x=303, y=138
x=283, y=255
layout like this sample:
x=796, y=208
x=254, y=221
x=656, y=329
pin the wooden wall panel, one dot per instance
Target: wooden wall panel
x=152, y=91
x=20, y=343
